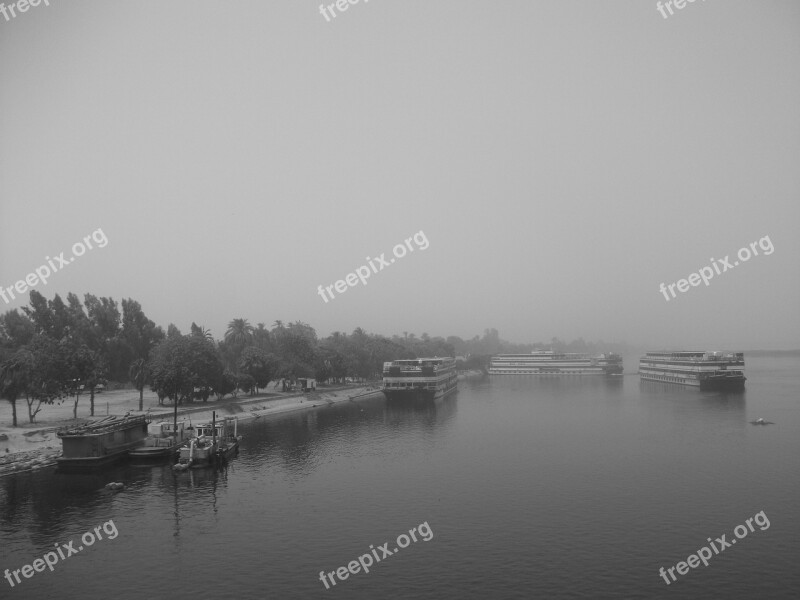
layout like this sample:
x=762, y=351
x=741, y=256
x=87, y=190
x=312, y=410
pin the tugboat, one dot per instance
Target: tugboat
x=102, y=442
x=213, y=443
x=163, y=442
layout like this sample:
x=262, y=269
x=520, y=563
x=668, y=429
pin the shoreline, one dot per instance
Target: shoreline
x=47, y=447
x=31, y=449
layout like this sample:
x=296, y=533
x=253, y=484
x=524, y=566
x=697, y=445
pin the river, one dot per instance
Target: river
x=523, y=488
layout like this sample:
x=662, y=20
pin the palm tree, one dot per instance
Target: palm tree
x=138, y=372
x=239, y=332
x=202, y=332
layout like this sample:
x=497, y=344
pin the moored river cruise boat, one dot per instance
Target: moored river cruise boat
x=547, y=362
x=101, y=442
x=429, y=378
x=704, y=370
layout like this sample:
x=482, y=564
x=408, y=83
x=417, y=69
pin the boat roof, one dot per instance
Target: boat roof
x=104, y=425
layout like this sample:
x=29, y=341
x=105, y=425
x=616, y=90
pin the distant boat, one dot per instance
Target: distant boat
x=163, y=441
x=101, y=442
x=704, y=370
x=430, y=378
x=213, y=443
x=547, y=362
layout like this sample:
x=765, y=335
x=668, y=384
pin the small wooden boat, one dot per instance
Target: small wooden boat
x=163, y=441
x=213, y=443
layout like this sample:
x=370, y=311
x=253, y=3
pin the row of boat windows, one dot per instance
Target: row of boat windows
x=431, y=386
x=683, y=369
x=533, y=363
x=542, y=371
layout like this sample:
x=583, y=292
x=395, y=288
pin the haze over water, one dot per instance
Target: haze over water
x=548, y=488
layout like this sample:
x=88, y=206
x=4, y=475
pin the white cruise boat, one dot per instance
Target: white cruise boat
x=547, y=362
x=430, y=378
x=705, y=370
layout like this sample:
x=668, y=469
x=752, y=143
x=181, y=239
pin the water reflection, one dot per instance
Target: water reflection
x=420, y=413
x=302, y=441
x=719, y=405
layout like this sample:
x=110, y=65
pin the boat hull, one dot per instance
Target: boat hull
x=414, y=394
x=209, y=457
x=144, y=454
x=87, y=463
x=691, y=368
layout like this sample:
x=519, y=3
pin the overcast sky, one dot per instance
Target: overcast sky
x=562, y=158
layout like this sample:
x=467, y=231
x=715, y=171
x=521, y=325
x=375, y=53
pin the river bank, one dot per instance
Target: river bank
x=33, y=446
x=37, y=446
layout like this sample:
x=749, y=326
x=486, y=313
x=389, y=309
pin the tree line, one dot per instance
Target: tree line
x=55, y=351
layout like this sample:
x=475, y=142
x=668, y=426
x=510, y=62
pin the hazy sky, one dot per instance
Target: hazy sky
x=562, y=158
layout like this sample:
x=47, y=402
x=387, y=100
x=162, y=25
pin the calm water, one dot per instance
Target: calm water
x=532, y=488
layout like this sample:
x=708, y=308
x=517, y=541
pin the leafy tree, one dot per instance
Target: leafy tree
x=88, y=369
x=39, y=313
x=261, y=338
x=259, y=365
x=226, y=385
x=104, y=316
x=181, y=364
x=138, y=373
x=80, y=327
x=296, y=347
x=61, y=318
x=246, y=383
x=49, y=374
x=14, y=379
x=16, y=330
x=139, y=332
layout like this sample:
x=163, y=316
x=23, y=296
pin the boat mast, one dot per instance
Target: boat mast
x=175, y=417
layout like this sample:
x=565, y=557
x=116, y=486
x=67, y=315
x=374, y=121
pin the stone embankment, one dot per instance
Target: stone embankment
x=32, y=460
